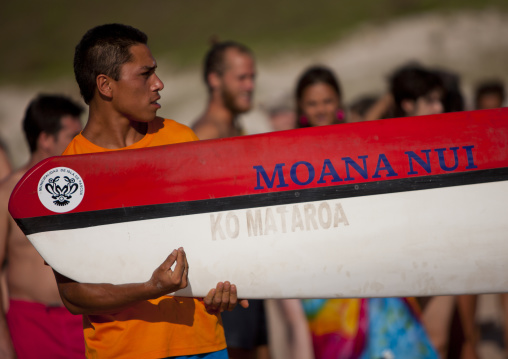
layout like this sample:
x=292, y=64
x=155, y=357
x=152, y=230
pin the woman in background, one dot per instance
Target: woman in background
x=319, y=98
x=354, y=328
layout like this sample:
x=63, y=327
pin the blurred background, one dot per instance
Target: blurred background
x=362, y=40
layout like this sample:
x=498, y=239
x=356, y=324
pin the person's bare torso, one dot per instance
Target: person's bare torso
x=27, y=277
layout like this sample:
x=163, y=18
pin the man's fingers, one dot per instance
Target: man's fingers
x=185, y=271
x=169, y=261
x=217, y=298
x=226, y=297
x=180, y=264
x=210, y=299
x=167, y=280
x=231, y=298
x=185, y=261
x=244, y=303
x=223, y=297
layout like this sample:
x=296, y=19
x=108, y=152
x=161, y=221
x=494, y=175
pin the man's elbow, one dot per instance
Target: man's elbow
x=76, y=311
x=73, y=309
x=70, y=294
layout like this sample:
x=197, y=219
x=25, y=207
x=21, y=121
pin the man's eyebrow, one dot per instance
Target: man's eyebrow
x=149, y=68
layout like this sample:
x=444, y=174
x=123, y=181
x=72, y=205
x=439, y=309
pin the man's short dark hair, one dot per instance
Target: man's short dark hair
x=44, y=114
x=494, y=87
x=452, y=100
x=103, y=50
x=411, y=82
x=215, y=58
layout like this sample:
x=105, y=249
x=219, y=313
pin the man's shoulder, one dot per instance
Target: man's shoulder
x=75, y=146
x=207, y=129
x=160, y=122
x=7, y=184
x=171, y=130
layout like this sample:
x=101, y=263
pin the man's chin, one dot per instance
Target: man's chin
x=239, y=109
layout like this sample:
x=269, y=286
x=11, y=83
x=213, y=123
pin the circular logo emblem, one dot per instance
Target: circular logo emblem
x=61, y=189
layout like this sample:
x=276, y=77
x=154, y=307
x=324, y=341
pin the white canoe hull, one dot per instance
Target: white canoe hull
x=451, y=240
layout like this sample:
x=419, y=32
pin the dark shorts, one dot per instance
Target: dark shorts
x=221, y=354
x=246, y=328
x=40, y=331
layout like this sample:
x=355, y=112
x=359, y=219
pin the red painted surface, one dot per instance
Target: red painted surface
x=223, y=168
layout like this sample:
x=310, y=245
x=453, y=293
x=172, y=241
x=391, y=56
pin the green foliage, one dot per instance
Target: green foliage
x=38, y=38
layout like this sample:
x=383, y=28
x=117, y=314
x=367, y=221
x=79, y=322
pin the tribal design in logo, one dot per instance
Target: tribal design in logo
x=61, y=195
x=61, y=189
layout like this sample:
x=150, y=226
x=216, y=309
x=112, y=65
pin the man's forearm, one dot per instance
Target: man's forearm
x=86, y=298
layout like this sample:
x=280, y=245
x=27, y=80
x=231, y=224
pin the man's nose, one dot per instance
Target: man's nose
x=158, y=84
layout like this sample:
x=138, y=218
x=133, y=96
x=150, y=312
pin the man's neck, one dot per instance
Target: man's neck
x=37, y=157
x=109, y=130
x=219, y=114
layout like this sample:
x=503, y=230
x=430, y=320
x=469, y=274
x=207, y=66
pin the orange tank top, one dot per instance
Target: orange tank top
x=158, y=328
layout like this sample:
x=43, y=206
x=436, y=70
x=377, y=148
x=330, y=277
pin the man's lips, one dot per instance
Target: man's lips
x=154, y=102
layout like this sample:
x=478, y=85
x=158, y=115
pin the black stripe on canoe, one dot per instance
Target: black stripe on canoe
x=138, y=213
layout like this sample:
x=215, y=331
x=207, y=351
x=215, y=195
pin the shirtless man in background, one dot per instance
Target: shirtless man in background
x=229, y=73
x=36, y=324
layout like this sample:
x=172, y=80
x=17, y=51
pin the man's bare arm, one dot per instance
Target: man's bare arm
x=380, y=108
x=85, y=298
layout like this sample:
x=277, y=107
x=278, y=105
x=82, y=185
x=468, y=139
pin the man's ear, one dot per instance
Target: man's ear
x=408, y=106
x=104, y=85
x=214, y=80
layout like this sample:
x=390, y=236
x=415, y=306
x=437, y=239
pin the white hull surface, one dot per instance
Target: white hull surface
x=451, y=240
